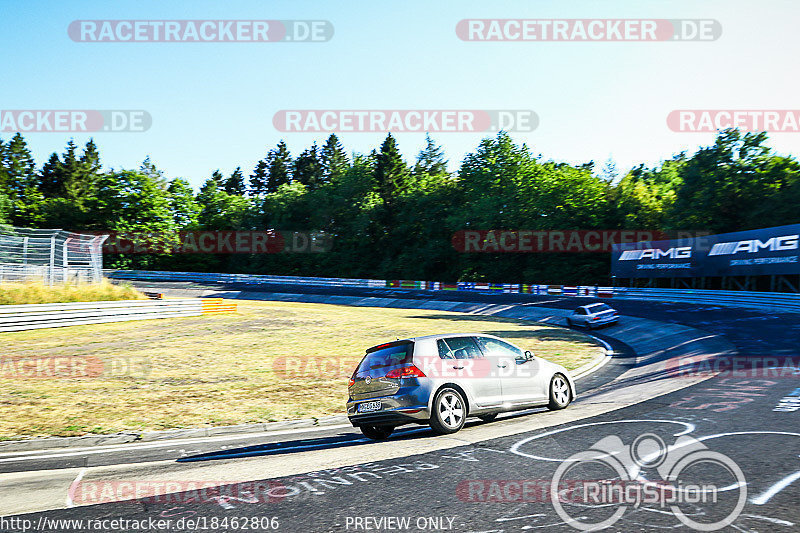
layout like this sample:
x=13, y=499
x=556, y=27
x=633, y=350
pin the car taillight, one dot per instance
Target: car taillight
x=406, y=372
x=596, y=318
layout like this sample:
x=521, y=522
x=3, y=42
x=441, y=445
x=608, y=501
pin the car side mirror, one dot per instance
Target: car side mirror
x=528, y=355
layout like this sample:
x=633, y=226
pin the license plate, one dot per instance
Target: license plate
x=368, y=407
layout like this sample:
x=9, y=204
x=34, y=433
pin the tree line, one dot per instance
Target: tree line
x=390, y=219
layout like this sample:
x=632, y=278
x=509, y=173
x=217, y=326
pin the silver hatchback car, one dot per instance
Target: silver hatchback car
x=593, y=316
x=442, y=379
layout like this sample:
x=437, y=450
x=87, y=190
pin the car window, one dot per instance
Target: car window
x=387, y=357
x=597, y=308
x=464, y=348
x=444, y=351
x=580, y=311
x=498, y=348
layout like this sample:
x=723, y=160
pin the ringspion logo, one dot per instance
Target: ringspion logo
x=199, y=31
x=404, y=120
x=588, y=30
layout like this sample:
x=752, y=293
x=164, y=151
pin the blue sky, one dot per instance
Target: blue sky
x=212, y=104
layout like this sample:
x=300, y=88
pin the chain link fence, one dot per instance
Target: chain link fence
x=50, y=255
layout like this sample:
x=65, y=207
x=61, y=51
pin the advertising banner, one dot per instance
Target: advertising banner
x=760, y=252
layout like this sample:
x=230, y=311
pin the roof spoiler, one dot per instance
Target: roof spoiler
x=389, y=345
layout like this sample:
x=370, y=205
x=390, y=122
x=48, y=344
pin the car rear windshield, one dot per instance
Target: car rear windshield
x=387, y=357
x=598, y=308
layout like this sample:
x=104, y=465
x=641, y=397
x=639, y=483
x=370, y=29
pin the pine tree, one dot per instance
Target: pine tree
x=279, y=162
x=3, y=172
x=19, y=167
x=307, y=168
x=430, y=160
x=90, y=160
x=235, y=183
x=74, y=186
x=52, y=177
x=22, y=181
x=391, y=173
x=148, y=168
x=217, y=178
x=333, y=160
x=259, y=179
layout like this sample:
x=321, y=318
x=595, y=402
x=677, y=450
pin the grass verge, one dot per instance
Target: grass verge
x=16, y=293
x=223, y=369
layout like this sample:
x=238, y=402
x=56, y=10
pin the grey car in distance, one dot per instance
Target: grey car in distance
x=440, y=380
x=593, y=316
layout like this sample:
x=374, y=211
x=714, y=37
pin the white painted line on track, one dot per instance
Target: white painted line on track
x=599, y=365
x=775, y=489
x=769, y=519
x=48, y=454
x=74, y=485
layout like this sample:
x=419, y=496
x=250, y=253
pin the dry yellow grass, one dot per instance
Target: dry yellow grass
x=221, y=369
x=14, y=293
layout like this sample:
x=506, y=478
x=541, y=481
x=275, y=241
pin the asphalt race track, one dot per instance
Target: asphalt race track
x=504, y=483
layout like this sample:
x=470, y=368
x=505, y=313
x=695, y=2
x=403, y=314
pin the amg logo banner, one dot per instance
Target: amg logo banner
x=682, y=252
x=775, y=244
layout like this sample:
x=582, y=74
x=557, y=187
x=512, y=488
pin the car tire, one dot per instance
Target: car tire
x=559, y=393
x=570, y=323
x=449, y=412
x=489, y=417
x=377, y=432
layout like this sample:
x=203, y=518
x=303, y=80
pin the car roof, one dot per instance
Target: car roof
x=587, y=306
x=451, y=335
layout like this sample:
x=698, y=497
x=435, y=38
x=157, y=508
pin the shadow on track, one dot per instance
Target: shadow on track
x=338, y=441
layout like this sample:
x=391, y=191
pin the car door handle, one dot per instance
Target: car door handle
x=458, y=367
x=501, y=366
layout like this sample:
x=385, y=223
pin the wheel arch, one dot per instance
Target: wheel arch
x=455, y=386
x=570, y=383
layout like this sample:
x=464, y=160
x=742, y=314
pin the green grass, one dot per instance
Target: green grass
x=15, y=293
x=226, y=369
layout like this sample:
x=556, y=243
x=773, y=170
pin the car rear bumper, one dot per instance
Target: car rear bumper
x=396, y=417
x=408, y=405
x=603, y=321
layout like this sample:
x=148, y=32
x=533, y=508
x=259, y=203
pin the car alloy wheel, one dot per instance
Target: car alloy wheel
x=449, y=412
x=559, y=392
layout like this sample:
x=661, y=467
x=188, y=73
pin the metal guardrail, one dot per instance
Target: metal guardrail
x=36, y=316
x=250, y=279
x=768, y=301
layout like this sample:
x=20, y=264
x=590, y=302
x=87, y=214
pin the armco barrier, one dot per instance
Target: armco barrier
x=770, y=301
x=765, y=301
x=37, y=316
x=252, y=279
x=256, y=279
